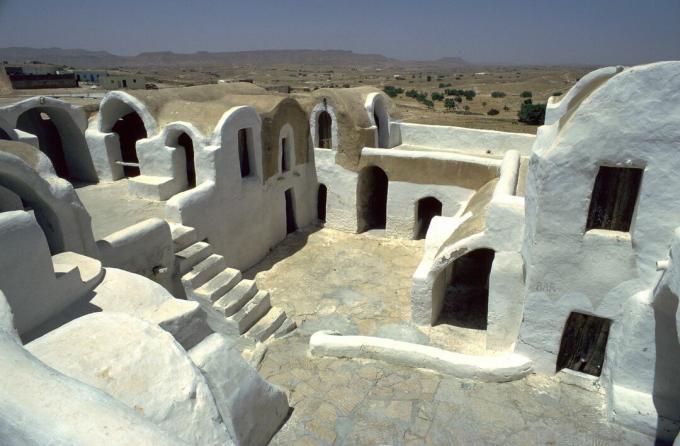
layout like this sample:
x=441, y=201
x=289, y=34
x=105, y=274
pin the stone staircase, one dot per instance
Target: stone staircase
x=233, y=304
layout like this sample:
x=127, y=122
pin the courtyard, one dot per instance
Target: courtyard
x=359, y=284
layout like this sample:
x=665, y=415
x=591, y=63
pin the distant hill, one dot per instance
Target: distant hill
x=102, y=59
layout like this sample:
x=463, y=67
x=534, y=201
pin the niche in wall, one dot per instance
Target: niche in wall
x=615, y=194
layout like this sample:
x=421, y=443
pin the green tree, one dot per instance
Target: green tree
x=392, y=91
x=449, y=103
x=533, y=114
x=492, y=112
x=526, y=94
x=497, y=94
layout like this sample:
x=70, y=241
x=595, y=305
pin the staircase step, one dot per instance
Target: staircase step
x=214, y=288
x=191, y=256
x=236, y=298
x=182, y=236
x=251, y=312
x=204, y=271
x=285, y=328
x=266, y=326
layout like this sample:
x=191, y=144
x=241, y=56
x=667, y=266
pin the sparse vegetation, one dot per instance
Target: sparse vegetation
x=497, y=94
x=492, y=112
x=443, y=85
x=450, y=103
x=429, y=104
x=526, y=94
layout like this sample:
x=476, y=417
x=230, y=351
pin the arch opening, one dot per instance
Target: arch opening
x=372, y=189
x=4, y=135
x=324, y=125
x=426, y=209
x=466, y=302
x=130, y=129
x=321, y=202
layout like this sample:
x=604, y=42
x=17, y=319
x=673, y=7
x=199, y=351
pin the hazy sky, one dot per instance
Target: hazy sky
x=504, y=31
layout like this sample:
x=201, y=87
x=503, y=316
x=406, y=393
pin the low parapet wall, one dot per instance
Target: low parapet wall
x=461, y=139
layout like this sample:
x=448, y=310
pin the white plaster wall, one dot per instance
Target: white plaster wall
x=103, y=144
x=243, y=218
x=27, y=274
x=44, y=412
x=466, y=140
x=144, y=248
x=629, y=120
x=70, y=121
x=341, y=201
x=376, y=104
x=63, y=217
x=402, y=200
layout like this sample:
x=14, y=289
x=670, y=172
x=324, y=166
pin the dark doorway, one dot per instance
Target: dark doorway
x=583, y=345
x=324, y=125
x=185, y=141
x=284, y=155
x=40, y=124
x=130, y=128
x=4, y=135
x=291, y=225
x=466, y=303
x=243, y=152
x=615, y=193
x=371, y=199
x=321, y=202
x=426, y=209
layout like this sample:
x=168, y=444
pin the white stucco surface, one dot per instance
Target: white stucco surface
x=483, y=368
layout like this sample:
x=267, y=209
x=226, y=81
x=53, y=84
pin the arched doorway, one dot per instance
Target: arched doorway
x=185, y=141
x=426, y=209
x=466, y=303
x=130, y=129
x=39, y=123
x=321, y=202
x=371, y=199
x=324, y=125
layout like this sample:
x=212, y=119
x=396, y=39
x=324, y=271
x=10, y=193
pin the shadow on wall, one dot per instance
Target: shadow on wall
x=293, y=243
x=667, y=368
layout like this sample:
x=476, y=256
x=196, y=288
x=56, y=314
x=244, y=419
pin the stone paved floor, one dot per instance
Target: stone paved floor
x=360, y=285
x=113, y=209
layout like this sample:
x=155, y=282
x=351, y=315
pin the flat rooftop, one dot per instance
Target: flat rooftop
x=112, y=208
